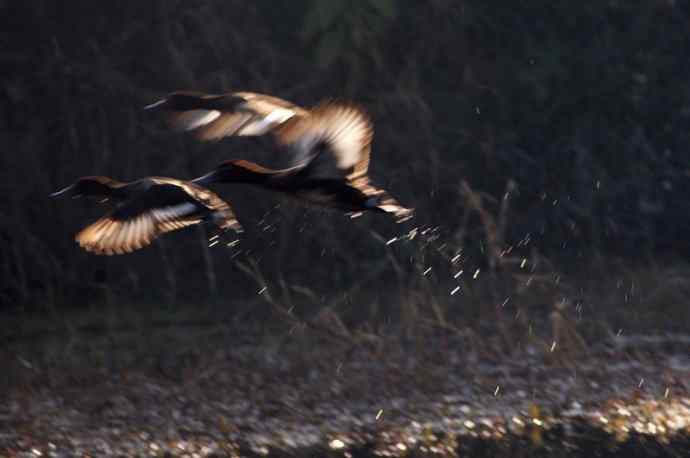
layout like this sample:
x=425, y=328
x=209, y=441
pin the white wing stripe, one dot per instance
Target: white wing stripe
x=279, y=116
x=346, y=129
x=198, y=118
x=267, y=123
x=168, y=213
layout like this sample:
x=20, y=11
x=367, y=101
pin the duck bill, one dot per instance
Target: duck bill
x=155, y=104
x=204, y=180
x=68, y=190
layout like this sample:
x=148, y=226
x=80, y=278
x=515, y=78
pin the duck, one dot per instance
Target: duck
x=329, y=147
x=211, y=117
x=144, y=210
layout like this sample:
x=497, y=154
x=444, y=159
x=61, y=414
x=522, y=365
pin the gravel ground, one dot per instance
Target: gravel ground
x=311, y=397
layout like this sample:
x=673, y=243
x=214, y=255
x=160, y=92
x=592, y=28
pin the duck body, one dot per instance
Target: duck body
x=329, y=147
x=296, y=183
x=145, y=209
x=332, y=194
x=212, y=117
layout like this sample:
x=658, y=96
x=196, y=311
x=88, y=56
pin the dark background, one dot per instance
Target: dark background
x=555, y=130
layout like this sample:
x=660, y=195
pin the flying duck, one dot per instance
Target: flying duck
x=144, y=210
x=329, y=144
x=212, y=117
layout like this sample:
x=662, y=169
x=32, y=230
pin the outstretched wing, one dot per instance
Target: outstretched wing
x=333, y=142
x=212, y=117
x=167, y=205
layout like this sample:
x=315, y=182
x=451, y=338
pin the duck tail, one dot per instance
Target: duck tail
x=399, y=212
x=226, y=220
x=384, y=203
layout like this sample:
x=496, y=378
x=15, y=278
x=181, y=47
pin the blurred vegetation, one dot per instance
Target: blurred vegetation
x=554, y=133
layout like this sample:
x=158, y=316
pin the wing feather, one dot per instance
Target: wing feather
x=340, y=133
x=166, y=206
x=213, y=117
x=335, y=140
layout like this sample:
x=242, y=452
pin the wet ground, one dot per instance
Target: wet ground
x=305, y=396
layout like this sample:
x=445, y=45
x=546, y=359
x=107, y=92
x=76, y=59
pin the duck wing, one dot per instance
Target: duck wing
x=212, y=117
x=333, y=142
x=165, y=205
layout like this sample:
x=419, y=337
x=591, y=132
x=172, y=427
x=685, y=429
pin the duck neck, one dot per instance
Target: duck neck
x=242, y=173
x=101, y=186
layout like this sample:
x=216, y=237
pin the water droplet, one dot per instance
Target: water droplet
x=336, y=444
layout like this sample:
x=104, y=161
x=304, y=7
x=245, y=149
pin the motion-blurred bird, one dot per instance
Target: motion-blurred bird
x=144, y=210
x=329, y=144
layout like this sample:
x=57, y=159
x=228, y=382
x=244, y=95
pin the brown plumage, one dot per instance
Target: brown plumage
x=144, y=210
x=212, y=117
x=329, y=144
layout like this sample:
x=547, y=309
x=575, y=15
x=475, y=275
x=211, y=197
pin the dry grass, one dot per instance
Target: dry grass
x=76, y=110
x=501, y=302
x=532, y=241
x=562, y=317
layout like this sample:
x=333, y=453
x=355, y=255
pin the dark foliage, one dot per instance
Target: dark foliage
x=583, y=105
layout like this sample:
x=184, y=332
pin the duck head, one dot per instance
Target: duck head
x=91, y=186
x=190, y=100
